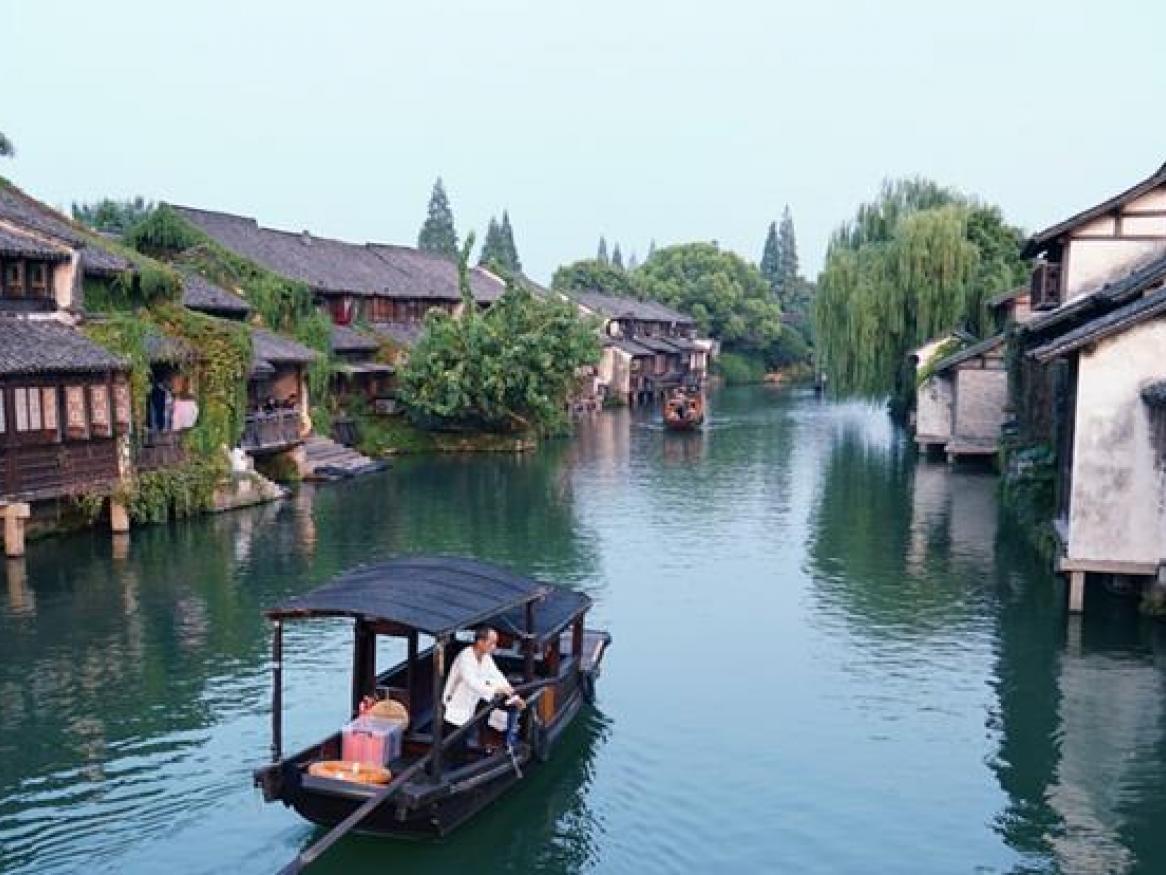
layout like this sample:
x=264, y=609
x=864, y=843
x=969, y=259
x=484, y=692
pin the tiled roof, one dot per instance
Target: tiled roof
x=340, y=267
x=201, y=294
x=1038, y=241
x=268, y=349
x=1114, y=322
x=15, y=243
x=46, y=346
x=425, y=275
x=630, y=308
x=21, y=210
x=629, y=346
x=348, y=339
x=971, y=352
x=1144, y=274
x=402, y=333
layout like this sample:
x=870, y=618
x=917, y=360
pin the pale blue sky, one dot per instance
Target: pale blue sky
x=677, y=121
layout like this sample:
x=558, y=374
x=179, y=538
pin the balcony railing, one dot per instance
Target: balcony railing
x=271, y=432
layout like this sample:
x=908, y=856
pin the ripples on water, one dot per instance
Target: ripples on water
x=829, y=657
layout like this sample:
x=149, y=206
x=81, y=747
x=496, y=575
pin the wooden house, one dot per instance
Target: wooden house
x=278, y=403
x=648, y=348
x=390, y=288
x=1085, y=251
x=960, y=406
x=1111, y=435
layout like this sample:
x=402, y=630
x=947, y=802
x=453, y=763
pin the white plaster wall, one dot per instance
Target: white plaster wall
x=1105, y=226
x=1118, y=487
x=1143, y=226
x=933, y=403
x=1154, y=200
x=981, y=394
x=1093, y=262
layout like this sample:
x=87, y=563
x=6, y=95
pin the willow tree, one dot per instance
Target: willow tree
x=918, y=262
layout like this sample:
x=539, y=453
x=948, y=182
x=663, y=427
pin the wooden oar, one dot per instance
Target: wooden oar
x=306, y=858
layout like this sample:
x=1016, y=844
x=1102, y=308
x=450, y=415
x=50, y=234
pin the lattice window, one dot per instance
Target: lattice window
x=99, y=412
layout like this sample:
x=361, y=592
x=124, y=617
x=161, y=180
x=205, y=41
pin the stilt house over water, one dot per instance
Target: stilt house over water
x=648, y=348
x=1091, y=380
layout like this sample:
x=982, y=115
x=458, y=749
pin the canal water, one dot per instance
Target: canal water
x=828, y=657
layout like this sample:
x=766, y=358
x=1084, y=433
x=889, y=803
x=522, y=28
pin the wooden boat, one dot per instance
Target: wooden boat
x=546, y=651
x=684, y=410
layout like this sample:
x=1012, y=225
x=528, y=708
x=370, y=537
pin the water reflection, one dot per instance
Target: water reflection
x=1081, y=722
x=133, y=693
x=547, y=824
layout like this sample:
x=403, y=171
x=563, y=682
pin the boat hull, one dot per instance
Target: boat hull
x=425, y=812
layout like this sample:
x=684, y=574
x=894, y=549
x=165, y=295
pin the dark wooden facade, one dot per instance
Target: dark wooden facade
x=58, y=434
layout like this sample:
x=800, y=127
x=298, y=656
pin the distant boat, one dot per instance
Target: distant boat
x=684, y=410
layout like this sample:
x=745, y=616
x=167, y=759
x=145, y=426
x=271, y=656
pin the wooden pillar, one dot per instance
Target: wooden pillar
x=119, y=517
x=277, y=693
x=438, y=705
x=1076, y=592
x=411, y=671
x=528, y=644
x=14, y=516
x=364, y=655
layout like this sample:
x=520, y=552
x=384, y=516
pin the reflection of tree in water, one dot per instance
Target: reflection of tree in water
x=1082, y=732
x=876, y=561
x=544, y=824
x=515, y=509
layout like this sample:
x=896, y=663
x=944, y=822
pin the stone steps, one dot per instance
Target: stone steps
x=328, y=460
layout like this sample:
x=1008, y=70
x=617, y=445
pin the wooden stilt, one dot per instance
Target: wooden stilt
x=14, y=517
x=119, y=517
x=1076, y=592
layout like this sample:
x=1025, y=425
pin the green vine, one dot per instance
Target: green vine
x=173, y=492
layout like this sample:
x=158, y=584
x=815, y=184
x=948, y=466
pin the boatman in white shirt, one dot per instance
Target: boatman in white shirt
x=473, y=678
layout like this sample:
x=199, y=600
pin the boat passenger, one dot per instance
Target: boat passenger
x=473, y=678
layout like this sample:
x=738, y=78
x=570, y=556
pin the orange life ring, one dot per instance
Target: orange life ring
x=348, y=770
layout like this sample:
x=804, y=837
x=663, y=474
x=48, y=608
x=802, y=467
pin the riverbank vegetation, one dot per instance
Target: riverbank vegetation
x=510, y=369
x=918, y=261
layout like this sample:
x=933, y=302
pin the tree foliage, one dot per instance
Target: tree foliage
x=917, y=262
x=726, y=295
x=770, y=265
x=113, y=216
x=601, y=255
x=592, y=275
x=617, y=258
x=7, y=150
x=787, y=259
x=498, y=249
x=509, y=369
x=438, y=233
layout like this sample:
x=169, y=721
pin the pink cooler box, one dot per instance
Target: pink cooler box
x=372, y=740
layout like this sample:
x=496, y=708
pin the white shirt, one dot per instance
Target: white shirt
x=470, y=680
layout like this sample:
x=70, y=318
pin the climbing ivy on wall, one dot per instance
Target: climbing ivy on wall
x=282, y=304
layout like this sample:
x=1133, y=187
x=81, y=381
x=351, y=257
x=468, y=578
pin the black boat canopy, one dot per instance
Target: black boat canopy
x=432, y=594
x=553, y=615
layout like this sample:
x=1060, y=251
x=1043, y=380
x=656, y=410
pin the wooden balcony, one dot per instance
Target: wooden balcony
x=271, y=432
x=1045, y=286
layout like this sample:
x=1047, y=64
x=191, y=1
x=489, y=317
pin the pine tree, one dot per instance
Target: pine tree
x=601, y=257
x=651, y=249
x=507, y=234
x=771, y=260
x=6, y=147
x=633, y=262
x=787, y=248
x=493, y=249
x=617, y=258
x=438, y=233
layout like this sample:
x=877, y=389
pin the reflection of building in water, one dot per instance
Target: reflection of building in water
x=1082, y=751
x=684, y=447
x=303, y=510
x=956, y=507
x=1110, y=712
x=21, y=599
